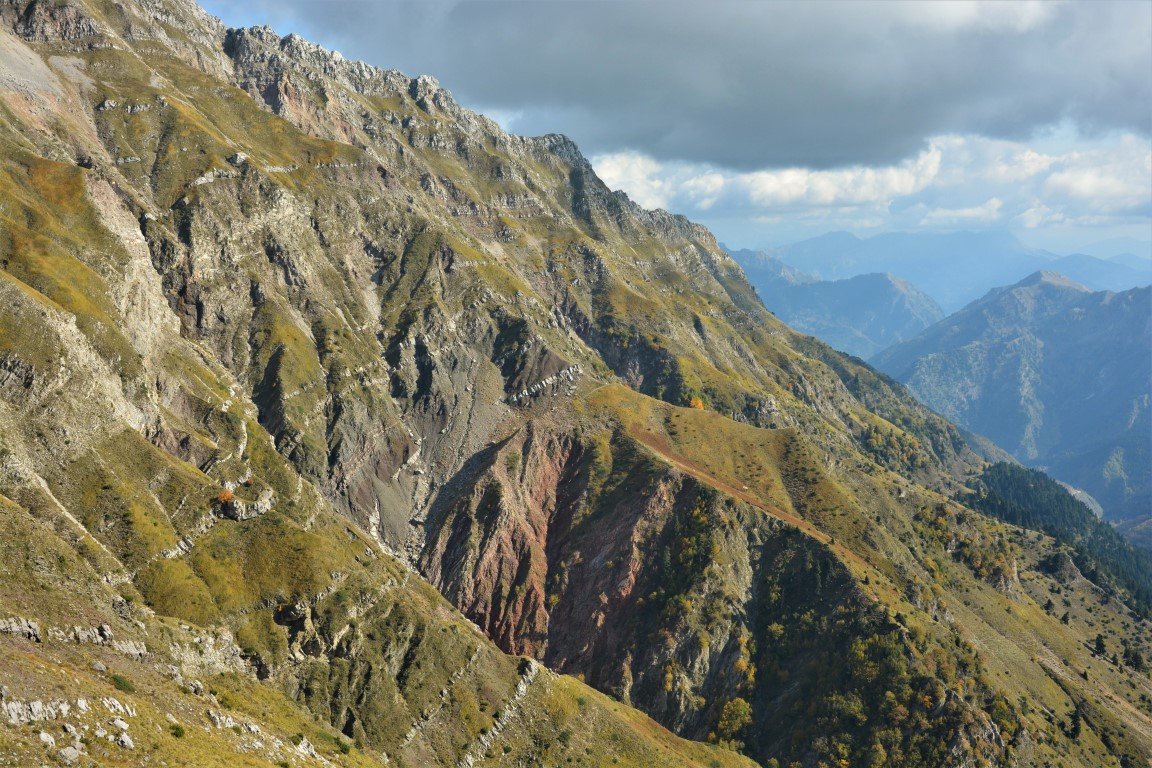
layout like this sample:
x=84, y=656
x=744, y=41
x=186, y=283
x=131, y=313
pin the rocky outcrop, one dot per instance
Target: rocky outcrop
x=49, y=22
x=20, y=712
x=18, y=625
x=492, y=533
x=511, y=710
x=602, y=561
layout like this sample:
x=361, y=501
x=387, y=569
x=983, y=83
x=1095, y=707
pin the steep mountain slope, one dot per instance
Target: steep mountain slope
x=1053, y=372
x=283, y=335
x=953, y=268
x=860, y=315
x=137, y=470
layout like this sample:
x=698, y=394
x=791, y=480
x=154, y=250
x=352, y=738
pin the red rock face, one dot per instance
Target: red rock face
x=491, y=547
x=606, y=562
x=599, y=583
x=562, y=555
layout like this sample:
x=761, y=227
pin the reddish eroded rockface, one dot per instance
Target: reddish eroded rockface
x=596, y=556
x=490, y=543
x=588, y=553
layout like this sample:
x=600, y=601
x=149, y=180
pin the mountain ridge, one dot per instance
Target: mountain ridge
x=1053, y=338
x=954, y=268
x=280, y=355
x=860, y=315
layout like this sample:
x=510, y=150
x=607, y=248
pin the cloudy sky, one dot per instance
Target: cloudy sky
x=771, y=122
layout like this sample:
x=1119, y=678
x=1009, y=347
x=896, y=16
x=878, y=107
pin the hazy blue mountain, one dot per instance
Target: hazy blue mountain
x=859, y=315
x=1134, y=260
x=1104, y=274
x=1118, y=246
x=1055, y=373
x=953, y=268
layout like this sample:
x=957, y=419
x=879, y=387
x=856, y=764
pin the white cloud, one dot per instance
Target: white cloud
x=855, y=186
x=1096, y=184
x=655, y=184
x=1039, y=215
x=1059, y=180
x=1107, y=180
x=1020, y=165
x=705, y=188
x=957, y=15
x=1102, y=189
x=985, y=213
x=636, y=174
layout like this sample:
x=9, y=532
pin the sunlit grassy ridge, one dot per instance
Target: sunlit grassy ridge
x=944, y=573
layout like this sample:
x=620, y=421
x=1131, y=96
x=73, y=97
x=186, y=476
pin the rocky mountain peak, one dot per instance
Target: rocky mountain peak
x=1045, y=277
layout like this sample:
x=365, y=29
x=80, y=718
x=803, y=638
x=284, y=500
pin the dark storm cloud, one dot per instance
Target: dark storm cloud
x=757, y=84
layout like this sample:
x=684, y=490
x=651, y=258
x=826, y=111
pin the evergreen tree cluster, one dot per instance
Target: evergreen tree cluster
x=1031, y=499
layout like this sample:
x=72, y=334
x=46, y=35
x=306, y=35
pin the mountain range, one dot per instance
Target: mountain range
x=956, y=268
x=1128, y=250
x=860, y=315
x=340, y=427
x=1070, y=398
x=1059, y=375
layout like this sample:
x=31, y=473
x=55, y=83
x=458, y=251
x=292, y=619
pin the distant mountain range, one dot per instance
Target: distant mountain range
x=1139, y=263
x=1055, y=373
x=958, y=267
x=1049, y=369
x=1115, y=248
x=860, y=315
